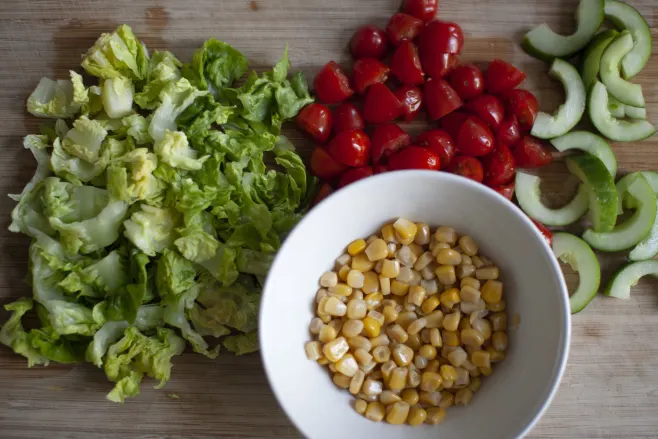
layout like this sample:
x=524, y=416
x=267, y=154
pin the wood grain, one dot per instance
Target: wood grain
x=610, y=389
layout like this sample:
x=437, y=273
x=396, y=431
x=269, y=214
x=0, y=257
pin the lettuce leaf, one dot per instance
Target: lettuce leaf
x=215, y=66
x=152, y=229
x=53, y=99
x=117, y=54
x=14, y=336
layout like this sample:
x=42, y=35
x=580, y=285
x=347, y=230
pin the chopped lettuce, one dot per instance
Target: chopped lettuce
x=215, y=66
x=152, y=229
x=53, y=99
x=174, y=149
x=118, y=97
x=117, y=54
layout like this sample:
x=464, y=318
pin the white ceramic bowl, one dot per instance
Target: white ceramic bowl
x=511, y=400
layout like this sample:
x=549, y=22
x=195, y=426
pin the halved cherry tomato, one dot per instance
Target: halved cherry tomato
x=414, y=157
x=502, y=76
x=506, y=190
x=441, y=36
x=439, y=142
x=368, y=71
x=548, y=236
x=387, y=139
x=412, y=99
x=331, y=84
x=381, y=105
x=498, y=166
x=315, y=119
x=354, y=174
x=468, y=167
x=440, y=98
x=325, y=166
x=488, y=108
x=380, y=168
x=437, y=65
x=530, y=152
x=468, y=81
x=347, y=117
x=509, y=131
x=369, y=42
x=324, y=192
x=422, y=9
x=452, y=123
x=475, y=138
x=405, y=64
x=403, y=27
x=523, y=105
x=351, y=148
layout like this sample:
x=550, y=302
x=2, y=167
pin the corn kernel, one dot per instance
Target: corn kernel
x=429, y=272
x=475, y=384
x=388, y=233
x=499, y=341
x=368, y=368
x=359, y=342
x=397, y=333
x=357, y=382
x=371, y=327
x=381, y=354
x=448, y=372
x=343, y=272
x=434, y=319
x=463, y=378
x=446, y=234
x=486, y=371
x=483, y=327
x=398, y=378
x=470, y=282
x=486, y=273
x=423, y=234
x=447, y=399
x=313, y=350
x=406, y=256
x=414, y=341
x=416, y=295
x=450, y=338
x=380, y=340
x=390, y=314
x=471, y=337
x=477, y=261
x=435, y=415
x=374, y=300
x=362, y=356
x=465, y=323
x=451, y=321
x=432, y=366
x=323, y=361
x=428, y=351
x=360, y=406
x=335, y=349
x=366, y=398
x=420, y=362
x=417, y=415
x=341, y=289
x=356, y=309
x=315, y=326
x=398, y=413
x=362, y=263
x=405, y=318
x=387, y=368
x=469, y=294
x=448, y=256
x=458, y=357
x=496, y=307
x=390, y=268
x=463, y=396
x=405, y=229
x=413, y=377
x=402, y=355
x=392, y=248
x=494, y=355
x=435, y=338
x=431, y=381
x=356, y=247
x=481, y=359
x=437, y=247
x=372, y=387
x=335, y=307
x=352, y=328
x=416, y=326
x=465, y=270
x=377, y=250
x=320, y=294
x=370, y=282
x=342, y=381
x=337, y=324
x=499, y=321
x=406, y=275
x=375, y=411
x=388, y=397
x=450, y=298
x=492, y=291
x=355, y=279
x=385, y=285
x=430, y=304
x=327, y=334
x=399, y=288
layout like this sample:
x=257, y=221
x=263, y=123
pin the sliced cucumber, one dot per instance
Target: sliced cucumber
x=625, y=16
x=624, y=91
x=629, y=276
x=592, y=56
x=574, y=251
x=601, y=189
x=648, y=247
x=590, y=143
x=528, y=195
x=569, y=114
x=616, y=108
x=636, y=228
x=543, y=43
x=635, y=112
x=612, y=128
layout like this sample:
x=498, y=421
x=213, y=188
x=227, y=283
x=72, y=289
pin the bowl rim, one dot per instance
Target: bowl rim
x=441, y=178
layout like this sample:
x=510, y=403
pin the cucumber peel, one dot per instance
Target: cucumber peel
x=568, y=114
x=648, y=247
x=574, y=251
x=624, y=91
x=624, y=16
x=590, y=143
x=592, y=56
x=628, y=276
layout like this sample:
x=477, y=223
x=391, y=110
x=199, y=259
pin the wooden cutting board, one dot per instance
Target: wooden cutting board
x=610, y=389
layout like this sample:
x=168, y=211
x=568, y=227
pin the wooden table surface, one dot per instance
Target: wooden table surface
x=610, y=389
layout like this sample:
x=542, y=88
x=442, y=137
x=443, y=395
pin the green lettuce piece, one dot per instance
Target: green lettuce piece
x=174, y=150
x=97, y=280
x=125, y=301
x=118, y=97
x=117, y=54
x=53, y=99
x=222, y=265
x=215, y=66
x=57, y=348
x=242, y=343
x=85, y=139
x=235, y=306
x=152, y=229
x=197, y=119
x=175, y=98
x=205, y=324
x=175, y=275
x=38, y=145
x=198, y=241
x=254, y=262
x=163, y=69
x=66, y=318
x=71, y=168
x=14, y=336
x=130, y=177
x=137, y=127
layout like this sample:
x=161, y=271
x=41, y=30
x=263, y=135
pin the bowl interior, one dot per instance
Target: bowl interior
x=512, y=399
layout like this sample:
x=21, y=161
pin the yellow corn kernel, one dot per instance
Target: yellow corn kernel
x=387, y=368
x=451, y=321
x=448, y=372
x=423, y=261
x=372, y=387
x=430, y=304
x=406, y=256
x=377, y=250
x=341, y=290
x=487, y=273
x=313, y=350
x=390, y=314
x=468, y=246
x=390, y=268
x=397, y=415
x=435, y=415
x=470, y=282
x=371, y=327
x=335, y=349
x=397, y=333
x=327, y=334
x=374, y=300
x=329, y=279
x=342, y=381
x=492, y=291
x=356, y=247
x=322, y=293
x=381, y=354
x=447, y=400
x=360, y=406
x=450, y=338
x=463, y=378
x=388, y=397
x=398, y=378
x=469, y=294
x=352, y=328
x=434, y=319
x=355, y=279
x=450, y=298
x=402, y=355
x=472, y=338
x=496, y=307
x=483, y=327
x=380, y=340
x=315, y=326
x=416, y=249
x=414, y=341
x=430, y=398
x=448, y=256
x=361, y=263
x=432, y=366
x=477, y=261
x=428, y=351
x=410, y=396
x=385, y=285
x=423, y=234
x=388, y=233
x=343, y=272
x=431, y=381
x=465, y=323
x=494, y=355
x=413, y=377
x=416, y=295
x=420, y=362
x=356, y=382
x=323, y=361
x=446, y=234
x=465, y=270
x=463, y=396
x=405, y=318
x=399, y=288
x=370, y=282
x=481, y=359
x=499, y=321
x=458, y=357
x=405, y=229
x=335, y=307
x=392, y=248
x=446, y=274
x=375, y=411
x=435, y=338
x=416, y=326
x=475, y=384
x=417, y=415
x=357, y=309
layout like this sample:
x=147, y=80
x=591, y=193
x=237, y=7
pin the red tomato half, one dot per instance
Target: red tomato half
x=380, y=168
x=347, y=117
x=475, y=138
x=324, y=166
x=468, y=167
x=368, y=42
x=381, y=105
x=488, y=108
x=403, y=27
x=439, y=142
x=506, y=191
x=523, y=105
x=498, y=166
x=354, y=174
x=405, y=64
x=331, y=84
x=411, y=99
x=368, y=71
x=468, y=81
x=502, y=76
x=509, y=131
x=387, y=139
x=351, y=148
x=442, y=37
x=422, y=9
x=452, y=123
x=324, y=192
x=440, y=98
x=315, y=119
x=531, y=152
x=414, y=157
x=437, y=65
x=548, y=236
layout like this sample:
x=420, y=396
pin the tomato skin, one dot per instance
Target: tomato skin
x=324, y=165
x=468, y=81
x=403, y=27
x=440, y=98
x=414, y=157
x=469, y=167
x=405, y=64
x=442, y=37
x=437, y=65
x=381, y=105
x=369, y=42
x=411, y=99
x=488, y=108
x=422, y=9
x=380, y=168
x=509, y=131
x=531, y=152
x=498, y=166
x=502, y=76
x=475, y=138
x=368, y=71
x=452, y=123
x=324, y=192
x=548, y=236
x=354, y=174
x=386, y=140
x=439, y=142
x=315, y=120
x=523, y=105
x=506, y=190
x=347, y=117
x=351, y=148
x=331, y=84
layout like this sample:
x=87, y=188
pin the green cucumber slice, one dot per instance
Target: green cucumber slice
x=528, y=195
x=612, y=128
x=648, y=247
x=625, y=16
x=574, y=251
x=635, y=112
x=592, y=56
x=629, y=276
x=543, y=43
x=624, y=91
x=601, y=189
x=590, y=143
x=637, y=227
x=569, y=114
x=616, y=108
